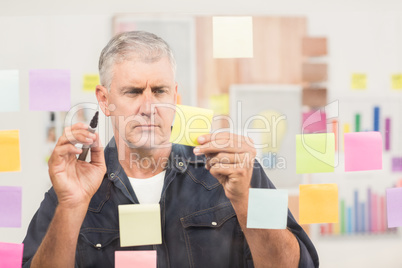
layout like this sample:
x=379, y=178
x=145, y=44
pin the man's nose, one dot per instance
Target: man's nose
x=147, y=107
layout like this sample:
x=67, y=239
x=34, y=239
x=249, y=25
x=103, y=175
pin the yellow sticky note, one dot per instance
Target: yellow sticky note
x=140, y=224
x=232, y=37
x=219, y=104
x=90, y=82
x=318, y=203
x=10, y=151
x=315, y=153
x=189, y=124
x=397, y=81
x=359, y=81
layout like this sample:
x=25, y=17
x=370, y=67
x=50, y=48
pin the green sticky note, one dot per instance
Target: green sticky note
x=219, y=103
x=90, y=82
x=140, y=224
x=396, y=81
x=358, y=81
x=315, y=153
x=189, y=124
x=267, y=209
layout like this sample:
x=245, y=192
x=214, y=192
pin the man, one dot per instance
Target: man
x=203, y=193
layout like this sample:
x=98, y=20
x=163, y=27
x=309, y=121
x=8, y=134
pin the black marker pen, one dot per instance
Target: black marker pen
x=91, y=128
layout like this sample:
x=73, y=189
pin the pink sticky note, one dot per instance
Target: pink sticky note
x=314, y=122
x=11, y=255
x=10, y=206
x=136, y=258
x=49, y=90
x=363, y=151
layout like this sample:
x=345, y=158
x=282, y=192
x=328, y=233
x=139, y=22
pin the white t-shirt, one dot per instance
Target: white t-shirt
x=149, y=190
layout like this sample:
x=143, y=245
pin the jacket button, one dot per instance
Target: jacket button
x=112, y=175
x=214, y=223
x=181, y=164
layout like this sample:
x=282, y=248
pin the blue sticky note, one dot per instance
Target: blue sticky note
x=9, y=91
x=267, y=209
x=49, y=90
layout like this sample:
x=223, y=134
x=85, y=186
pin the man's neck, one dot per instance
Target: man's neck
x=144, y=163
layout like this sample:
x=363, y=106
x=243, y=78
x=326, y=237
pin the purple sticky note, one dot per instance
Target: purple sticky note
x=397, y=164
x=314, y=122
x=394, y=208
x=363, y=151
x=10, y=206
x=11, y=255
x=49, y=90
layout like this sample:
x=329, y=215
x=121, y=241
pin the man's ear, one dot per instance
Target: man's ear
x=175, y=93
x=102, y=96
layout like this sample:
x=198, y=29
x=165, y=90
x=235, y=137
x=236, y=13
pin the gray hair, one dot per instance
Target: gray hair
x=146, y=46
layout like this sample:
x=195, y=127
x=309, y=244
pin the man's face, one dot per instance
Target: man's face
x=141, y=102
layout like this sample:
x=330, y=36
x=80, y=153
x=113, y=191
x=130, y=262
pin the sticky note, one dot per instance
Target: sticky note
x=140, y=224
x=232, y=37
x=394, y=208
x=318, y=203
x=396, y=164
x=271, y=141
x=10, y=206
x=267, y=209
x=359, y=81
x=179, y=98
x=9, y=91
x=219, y=104
x=9, y=150
x=315, y=153
x=314, y=122
x=137, y=258
x=11, y=255
x=189, y=124
x=90, y=82
x=49, y=90
x=396, y=81
x=363, y=151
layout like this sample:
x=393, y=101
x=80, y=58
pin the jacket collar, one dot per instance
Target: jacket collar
x=181, y=159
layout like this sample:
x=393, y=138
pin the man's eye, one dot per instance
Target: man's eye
x=133, y=92
x=159, y=91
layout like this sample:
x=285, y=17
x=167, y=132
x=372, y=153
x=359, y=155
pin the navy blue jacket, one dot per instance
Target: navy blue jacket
x=191, y=200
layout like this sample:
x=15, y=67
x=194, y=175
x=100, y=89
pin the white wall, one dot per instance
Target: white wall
x=45, y=34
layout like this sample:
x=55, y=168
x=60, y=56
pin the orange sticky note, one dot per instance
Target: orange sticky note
x=137, y=258
x=318, y=203
x=10, y=151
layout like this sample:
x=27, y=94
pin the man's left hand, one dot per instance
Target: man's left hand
x=230, y=159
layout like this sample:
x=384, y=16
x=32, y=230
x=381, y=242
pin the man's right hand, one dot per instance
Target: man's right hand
x=75, y=181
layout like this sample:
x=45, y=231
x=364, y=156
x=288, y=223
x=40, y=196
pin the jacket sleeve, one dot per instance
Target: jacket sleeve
x=308, y=253
x=38, y=227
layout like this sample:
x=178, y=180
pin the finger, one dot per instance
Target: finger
x=60, y=152
x=97, y=154
x=83, y=136
x=209, y=149
x=220, y=170
x=223, y=141
x=227, y=158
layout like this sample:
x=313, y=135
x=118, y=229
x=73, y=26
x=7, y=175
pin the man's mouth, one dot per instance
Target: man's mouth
x=146, y=126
